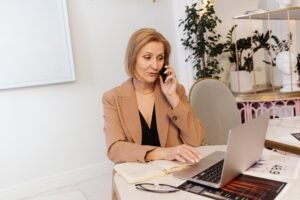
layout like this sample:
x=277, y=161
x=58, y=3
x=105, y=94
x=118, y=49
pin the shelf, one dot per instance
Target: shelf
x=266, y=95
x=266, y=92
x=264, y=98
x=278, y=14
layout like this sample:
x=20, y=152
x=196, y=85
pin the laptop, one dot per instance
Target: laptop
x=245, y=144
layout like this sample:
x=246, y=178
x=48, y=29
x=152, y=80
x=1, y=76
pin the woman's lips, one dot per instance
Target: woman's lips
x=153, y=74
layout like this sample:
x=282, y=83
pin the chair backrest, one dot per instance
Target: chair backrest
x=214, y=104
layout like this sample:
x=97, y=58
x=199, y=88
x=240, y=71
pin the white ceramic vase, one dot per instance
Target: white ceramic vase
x=276, y=81
x=283, y=3
x=241, y=81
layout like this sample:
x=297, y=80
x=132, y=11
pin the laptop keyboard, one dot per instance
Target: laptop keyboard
x=212, y=174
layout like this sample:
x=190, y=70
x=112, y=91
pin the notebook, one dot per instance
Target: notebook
x=245, y=144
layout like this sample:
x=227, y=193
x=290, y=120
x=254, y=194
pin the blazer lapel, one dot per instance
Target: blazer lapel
x=161, y=109
x=130, y=111
x=131, y=116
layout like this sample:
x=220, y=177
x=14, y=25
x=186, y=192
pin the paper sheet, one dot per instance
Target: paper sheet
x=277, y=165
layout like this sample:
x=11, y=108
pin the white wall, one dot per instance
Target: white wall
x=185, y=71
x=49, y=130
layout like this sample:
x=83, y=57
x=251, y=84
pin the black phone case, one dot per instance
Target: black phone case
x=164, y=76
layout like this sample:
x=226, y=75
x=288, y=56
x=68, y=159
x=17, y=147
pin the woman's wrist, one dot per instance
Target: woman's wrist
x=173, y=100
x=155, y=154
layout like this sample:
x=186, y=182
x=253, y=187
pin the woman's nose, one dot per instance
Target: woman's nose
x=155, y=64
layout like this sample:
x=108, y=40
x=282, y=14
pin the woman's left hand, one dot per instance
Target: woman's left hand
x=182, y=153
x=169, y=86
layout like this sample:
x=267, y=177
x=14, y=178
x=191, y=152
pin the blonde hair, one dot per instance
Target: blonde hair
x=137, y=41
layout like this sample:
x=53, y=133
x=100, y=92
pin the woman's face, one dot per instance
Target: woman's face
x=149, y=62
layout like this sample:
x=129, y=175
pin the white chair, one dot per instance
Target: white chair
x=214, y=104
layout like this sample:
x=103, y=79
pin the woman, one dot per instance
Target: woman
x=147, y=118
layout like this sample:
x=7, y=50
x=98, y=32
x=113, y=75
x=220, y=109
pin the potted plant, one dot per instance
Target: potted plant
x=202, y=40
x=241, y=55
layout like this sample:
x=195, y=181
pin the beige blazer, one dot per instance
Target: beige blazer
x=123, y=129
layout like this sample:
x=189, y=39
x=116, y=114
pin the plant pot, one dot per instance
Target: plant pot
x=283, y=3
x=241, y=81
x=277, y=77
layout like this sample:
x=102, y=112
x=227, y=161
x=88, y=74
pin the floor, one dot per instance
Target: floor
x=97, y=188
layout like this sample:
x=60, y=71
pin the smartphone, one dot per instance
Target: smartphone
x=162, y=73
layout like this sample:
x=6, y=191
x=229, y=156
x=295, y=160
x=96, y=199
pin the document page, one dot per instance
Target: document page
x=276, y=166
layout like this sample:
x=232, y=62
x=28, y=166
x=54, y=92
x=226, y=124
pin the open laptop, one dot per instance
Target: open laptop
x=245, y=144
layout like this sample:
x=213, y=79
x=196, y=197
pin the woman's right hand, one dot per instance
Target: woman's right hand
x=182, y=153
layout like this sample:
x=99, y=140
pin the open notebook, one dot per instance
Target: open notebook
x=135, y=172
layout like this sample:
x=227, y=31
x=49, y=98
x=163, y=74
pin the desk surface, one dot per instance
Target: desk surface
x=128, y=192
x=279, y=134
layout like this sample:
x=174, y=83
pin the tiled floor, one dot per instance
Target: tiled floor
x=97, y=188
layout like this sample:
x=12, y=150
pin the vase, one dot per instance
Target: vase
x=283, y=3
x=241, y=81
x=276, y=81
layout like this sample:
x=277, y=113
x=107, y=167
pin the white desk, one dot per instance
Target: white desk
x=279, y=134
x=128, y=192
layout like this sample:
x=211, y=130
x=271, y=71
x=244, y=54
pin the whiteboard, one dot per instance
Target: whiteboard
x=35, y=44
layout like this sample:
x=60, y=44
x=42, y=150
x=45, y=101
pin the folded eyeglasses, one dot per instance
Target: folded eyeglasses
x=156, y=188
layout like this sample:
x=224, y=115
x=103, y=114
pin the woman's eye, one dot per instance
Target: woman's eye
x=147, y=57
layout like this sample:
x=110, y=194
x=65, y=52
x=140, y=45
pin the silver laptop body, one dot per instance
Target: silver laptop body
x=245, y=144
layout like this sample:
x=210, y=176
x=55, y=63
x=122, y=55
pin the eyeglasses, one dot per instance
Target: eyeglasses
x=156, y=188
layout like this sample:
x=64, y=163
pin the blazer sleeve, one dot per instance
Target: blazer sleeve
x=119, y=147
x=182, y=116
